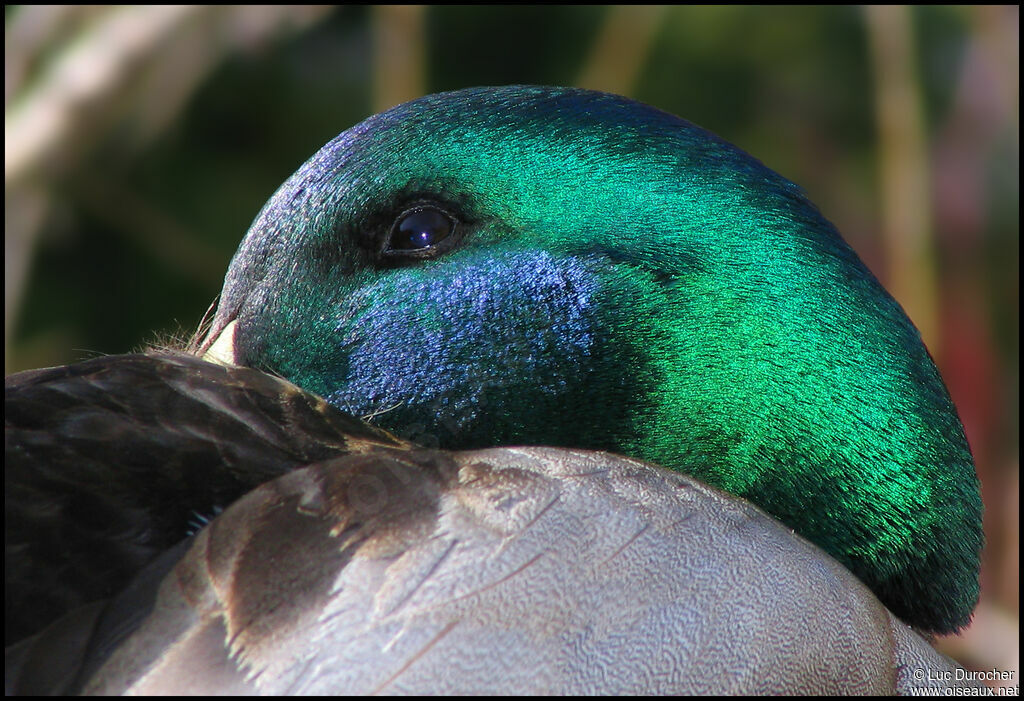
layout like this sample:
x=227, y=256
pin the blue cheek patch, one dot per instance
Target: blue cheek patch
x=448, y=342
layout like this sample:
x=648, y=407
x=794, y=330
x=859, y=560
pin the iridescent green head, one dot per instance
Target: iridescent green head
x=528, y=265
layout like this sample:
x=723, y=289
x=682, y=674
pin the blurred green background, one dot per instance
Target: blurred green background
x=141, y=141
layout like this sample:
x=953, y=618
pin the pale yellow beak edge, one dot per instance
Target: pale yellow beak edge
x=222, y=351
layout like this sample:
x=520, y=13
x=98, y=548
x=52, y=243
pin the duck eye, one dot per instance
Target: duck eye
x=419, y=231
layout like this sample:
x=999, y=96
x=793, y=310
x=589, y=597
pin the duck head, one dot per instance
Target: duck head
x=531, y=265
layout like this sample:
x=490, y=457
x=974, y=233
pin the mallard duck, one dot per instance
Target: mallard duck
x=534, y=266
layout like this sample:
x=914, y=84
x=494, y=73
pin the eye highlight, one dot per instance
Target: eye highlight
x=422, y=231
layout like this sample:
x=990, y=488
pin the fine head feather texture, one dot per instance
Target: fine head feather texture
x=550, y=266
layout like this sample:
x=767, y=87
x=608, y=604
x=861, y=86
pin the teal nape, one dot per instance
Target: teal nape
x=550, y=266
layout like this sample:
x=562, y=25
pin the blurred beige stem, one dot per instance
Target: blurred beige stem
x=92, y=86
x=40, y=123
x=399, y=55
x=91, y=67
x=903, y=164
x=29, y=31
x=621, y=48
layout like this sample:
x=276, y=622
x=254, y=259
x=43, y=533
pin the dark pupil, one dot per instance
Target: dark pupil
x=421, y=229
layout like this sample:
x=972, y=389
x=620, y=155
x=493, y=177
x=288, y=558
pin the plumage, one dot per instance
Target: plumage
x=377, y=566
x=620, y=280
x=538, y=266
x=109, y=460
